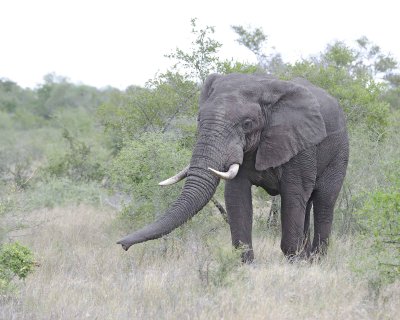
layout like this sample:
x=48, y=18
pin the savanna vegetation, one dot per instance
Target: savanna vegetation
x=79, y=168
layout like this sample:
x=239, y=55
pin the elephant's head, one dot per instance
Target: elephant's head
x=239, y=114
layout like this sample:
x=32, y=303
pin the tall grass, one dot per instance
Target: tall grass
x=83, y=274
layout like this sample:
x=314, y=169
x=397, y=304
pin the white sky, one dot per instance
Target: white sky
x=122, y=42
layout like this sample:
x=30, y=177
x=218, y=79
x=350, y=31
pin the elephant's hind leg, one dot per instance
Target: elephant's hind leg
x=297, y=185
x=324, y=199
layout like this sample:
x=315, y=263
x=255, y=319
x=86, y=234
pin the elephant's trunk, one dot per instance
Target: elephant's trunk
x=197, y=192
x=210, y=151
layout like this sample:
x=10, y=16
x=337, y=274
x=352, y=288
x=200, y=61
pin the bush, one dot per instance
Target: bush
x=155, y=108
x=16, y=168
x=380, y=219
x=218, y=266
x=226, y=268
x=138, y=168
x=15, y=261
x=374, y=194
x=78, y=163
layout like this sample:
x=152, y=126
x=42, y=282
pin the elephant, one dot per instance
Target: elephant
x=287, y=137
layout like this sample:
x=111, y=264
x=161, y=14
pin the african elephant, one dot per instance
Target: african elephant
x=288, y=137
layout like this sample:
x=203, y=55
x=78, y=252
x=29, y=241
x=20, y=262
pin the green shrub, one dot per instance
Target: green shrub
x=17, y=165
x=378, y=211
x=373, y=166
x=227, y=263
x=78, y=163
x=156, y=108
x=380, y=219
x=221, y=266
x=15, y=261
x=138, y=168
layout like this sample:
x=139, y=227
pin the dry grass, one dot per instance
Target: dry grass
x=83, y=274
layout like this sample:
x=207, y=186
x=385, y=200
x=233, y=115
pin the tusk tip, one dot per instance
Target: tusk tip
x=176, y=178
x=230, y=174
x=168, y=182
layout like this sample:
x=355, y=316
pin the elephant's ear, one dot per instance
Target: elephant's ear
x=293, y=123
x=207, y=87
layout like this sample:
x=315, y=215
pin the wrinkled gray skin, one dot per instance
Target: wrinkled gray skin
x=289, y=138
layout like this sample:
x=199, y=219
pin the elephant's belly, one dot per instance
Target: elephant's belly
x=268, y=180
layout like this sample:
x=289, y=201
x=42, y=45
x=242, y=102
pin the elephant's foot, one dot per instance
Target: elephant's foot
x=305, y=255
x=320, y=247
x=247, y=256
x=245, y=250
x=298, y=257
x=299, y=250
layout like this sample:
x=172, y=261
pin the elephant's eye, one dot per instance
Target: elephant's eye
x=247, y=125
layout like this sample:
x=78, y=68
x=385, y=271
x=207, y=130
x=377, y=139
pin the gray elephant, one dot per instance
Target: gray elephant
x=288, y=137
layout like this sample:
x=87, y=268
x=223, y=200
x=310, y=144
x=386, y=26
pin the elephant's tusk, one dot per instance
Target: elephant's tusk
x=176, y=178
x=229, y=175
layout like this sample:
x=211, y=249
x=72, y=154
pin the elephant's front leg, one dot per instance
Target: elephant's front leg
x=240, y=214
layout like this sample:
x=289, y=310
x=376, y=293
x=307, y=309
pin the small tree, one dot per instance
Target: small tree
x=256, y=41
x=78, y=163
x=202, y=59
x=169, y=101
